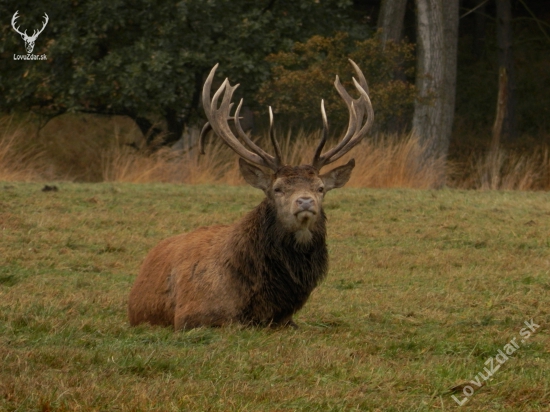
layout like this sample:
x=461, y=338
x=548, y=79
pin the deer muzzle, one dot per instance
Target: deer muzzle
x=306, y=204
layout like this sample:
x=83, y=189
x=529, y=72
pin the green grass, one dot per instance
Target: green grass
x=423, y=288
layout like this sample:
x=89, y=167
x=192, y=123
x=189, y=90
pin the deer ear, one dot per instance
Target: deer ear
x=254, y=176
x=338, y=176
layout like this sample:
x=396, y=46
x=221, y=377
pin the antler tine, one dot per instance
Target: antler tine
x=356, y=130
x=37, y=32
x=362, y=80
x=255, y=148
x=218, y=121
x=318, y=160
x=249, y=142
x=361, y=133
x=324, y=135
x=208, y=127
x=13, y=21
x=204, y=131
x=274, y=141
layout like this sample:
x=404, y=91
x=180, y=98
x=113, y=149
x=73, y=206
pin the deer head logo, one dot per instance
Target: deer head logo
x=29, y=40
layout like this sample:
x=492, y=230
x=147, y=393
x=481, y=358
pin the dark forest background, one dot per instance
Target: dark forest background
x=147, y=61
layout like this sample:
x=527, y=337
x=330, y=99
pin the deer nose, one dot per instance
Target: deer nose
x=305, y=203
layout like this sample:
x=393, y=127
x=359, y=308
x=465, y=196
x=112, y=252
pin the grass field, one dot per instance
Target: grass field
x=424, y=288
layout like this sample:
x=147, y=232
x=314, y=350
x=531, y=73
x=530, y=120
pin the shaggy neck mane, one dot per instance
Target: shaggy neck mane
x=265, y=257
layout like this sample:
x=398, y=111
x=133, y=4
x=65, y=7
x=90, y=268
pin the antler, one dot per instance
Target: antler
x=13, y=19
x=35, y=32
x=47, y=19
x=356, y=130
x=218, y=121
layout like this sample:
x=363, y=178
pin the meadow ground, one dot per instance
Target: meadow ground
x=424, y=289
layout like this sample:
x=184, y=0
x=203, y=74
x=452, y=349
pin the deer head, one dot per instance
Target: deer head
x=29, y=40
x=296, y=192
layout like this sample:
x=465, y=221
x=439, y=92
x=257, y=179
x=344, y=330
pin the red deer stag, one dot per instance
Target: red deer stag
x=261, y=269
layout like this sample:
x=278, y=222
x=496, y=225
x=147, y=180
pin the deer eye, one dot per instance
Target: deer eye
x=278, y=190
x=321, y=189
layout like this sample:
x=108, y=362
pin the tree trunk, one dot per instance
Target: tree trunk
x=390, y=20
x=507, y=128
x=149, y=131
x=176, y=122
x=155, y=137
x=437, y=38
x=390, y=25
x=478, y=44
x=502, y=104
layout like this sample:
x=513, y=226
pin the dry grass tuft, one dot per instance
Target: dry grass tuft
x=123, y=164
x=126, y=164
x=75, y=145
x=393, y=162
x=387, y=162
x=506, y=170
x=96, y=148
x=17, y=162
